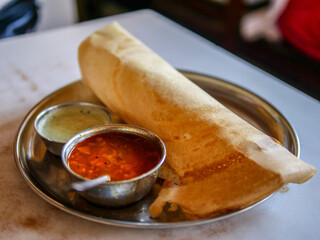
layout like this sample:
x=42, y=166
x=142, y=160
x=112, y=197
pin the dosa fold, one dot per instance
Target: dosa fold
x=222, y=162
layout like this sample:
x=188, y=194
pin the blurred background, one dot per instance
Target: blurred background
x=280, y=36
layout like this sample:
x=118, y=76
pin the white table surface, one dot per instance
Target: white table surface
x=36, y=64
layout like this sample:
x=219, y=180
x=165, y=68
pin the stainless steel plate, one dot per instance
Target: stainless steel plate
x=45, y=174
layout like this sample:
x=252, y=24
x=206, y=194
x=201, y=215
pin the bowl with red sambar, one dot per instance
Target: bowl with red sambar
x=131, y=156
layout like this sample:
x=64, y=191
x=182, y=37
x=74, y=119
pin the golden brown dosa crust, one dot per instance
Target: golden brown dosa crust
x=200, y=133
x=222, y=187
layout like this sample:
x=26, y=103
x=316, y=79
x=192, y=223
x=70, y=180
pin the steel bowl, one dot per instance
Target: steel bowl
x=116, y=193
x=54, y=145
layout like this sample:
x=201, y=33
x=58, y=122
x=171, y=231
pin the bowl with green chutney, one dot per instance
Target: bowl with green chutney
x=58, y=123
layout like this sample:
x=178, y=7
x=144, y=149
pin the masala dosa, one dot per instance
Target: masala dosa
x=223, y=163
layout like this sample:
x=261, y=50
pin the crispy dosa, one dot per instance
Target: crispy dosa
x=222, y=162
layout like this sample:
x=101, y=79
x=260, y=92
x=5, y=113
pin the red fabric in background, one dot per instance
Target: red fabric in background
x=300, y=25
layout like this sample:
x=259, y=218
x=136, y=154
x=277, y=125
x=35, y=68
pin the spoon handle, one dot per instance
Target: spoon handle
x=85, y=185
